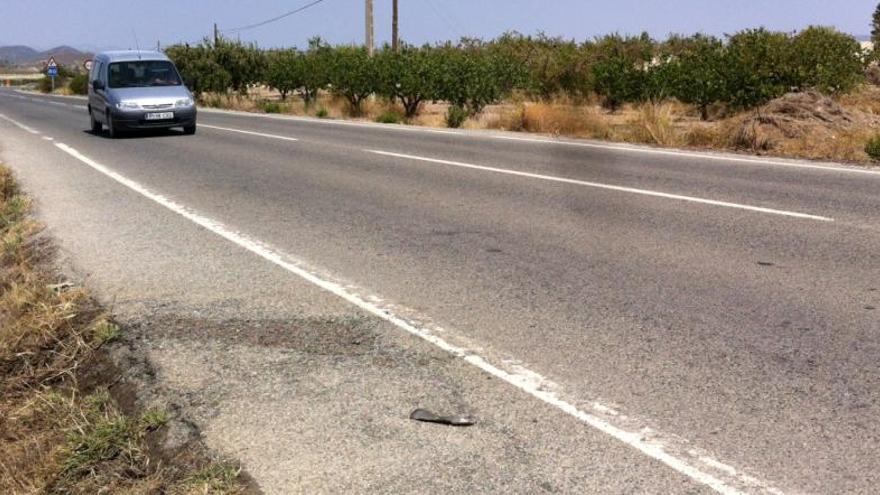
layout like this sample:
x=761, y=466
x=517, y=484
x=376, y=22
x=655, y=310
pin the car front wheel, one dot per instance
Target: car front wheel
x=112, y=131
x=189, y=130
x=96, y=126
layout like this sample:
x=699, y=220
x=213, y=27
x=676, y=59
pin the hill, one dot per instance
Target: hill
x=25, y=55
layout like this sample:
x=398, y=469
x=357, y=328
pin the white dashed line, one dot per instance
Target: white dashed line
x=631, y=190
x=251, y=133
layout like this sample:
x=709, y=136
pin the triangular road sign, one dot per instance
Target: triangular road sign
x=51, y=62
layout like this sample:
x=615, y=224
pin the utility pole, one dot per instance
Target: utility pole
x=216, y=36
x=371, y=45
x=395, y=32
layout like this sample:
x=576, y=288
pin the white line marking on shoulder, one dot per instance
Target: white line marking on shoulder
x=20, y=125
x=727, y=481
x=631, y=190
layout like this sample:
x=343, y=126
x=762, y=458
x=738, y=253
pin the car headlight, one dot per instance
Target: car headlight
x=185, y=102
x=128, y=105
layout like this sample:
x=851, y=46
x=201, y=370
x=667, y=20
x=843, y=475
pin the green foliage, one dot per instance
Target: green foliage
x=229, y=65
x=388, y=118
x=456, y=116
x=411, y=76
x=315, y=75
x=153, y=419
x=620, y=68
x=872, y=148
x=550, y=66
x=245, y=64
x=79, y=84
x=271, y=107
x=758, y=67
x=751, y=68
x=200, y=71
x=322, y=113
x=697, y=65
x=827, y=60
x=875, y=29
x=104, y=332
x=285, y=71
x=472, y=77
x=352, y=75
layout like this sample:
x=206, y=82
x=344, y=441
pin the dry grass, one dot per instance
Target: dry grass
x=655, y=123
x=865, y=99
x=53, y=439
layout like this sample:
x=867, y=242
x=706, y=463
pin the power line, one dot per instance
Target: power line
x=274, y=19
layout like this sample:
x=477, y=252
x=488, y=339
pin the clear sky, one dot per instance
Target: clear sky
x=95, y=24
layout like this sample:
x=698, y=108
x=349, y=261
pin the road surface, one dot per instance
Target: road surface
x=625, y=319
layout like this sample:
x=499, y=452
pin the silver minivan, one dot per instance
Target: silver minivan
x=131, y=90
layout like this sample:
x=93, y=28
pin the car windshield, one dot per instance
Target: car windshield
x=143, y=74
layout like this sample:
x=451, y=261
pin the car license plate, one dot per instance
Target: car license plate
x=160, y=116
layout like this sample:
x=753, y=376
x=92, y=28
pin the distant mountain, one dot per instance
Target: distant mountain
x=18, y=54
x=25, y=55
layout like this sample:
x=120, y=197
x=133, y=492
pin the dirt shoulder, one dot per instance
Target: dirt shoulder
x=72, y=420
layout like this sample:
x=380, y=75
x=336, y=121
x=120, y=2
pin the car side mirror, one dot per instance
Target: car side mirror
x=97, y=84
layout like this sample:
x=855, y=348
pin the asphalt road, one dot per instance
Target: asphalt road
x=695, y=322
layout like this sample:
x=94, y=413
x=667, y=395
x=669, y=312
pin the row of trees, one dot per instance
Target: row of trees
x=743, y=71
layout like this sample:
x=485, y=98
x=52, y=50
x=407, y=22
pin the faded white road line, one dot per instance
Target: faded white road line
x=695, y=464
x=20, y=125
x=251, y=133
x=631, y=190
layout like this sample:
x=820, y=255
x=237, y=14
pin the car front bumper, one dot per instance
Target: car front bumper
x=137, y=119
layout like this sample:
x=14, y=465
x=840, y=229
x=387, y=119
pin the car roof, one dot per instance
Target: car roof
x=130, y=55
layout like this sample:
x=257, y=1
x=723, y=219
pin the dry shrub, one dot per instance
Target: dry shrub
x=872, y=74
x=654, y=123
x=844, y=146
x=501, y=117
x=865, y=99
x=566, y=120
x=703, y=135
x=231, y=102
x=806, y=125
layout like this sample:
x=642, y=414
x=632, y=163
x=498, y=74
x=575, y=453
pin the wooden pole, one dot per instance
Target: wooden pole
x=395, y=31
x=370, y=42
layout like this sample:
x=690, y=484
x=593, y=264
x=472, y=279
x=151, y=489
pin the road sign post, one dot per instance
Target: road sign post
x=52, y=71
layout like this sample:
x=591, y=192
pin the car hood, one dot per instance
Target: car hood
x=156, y=95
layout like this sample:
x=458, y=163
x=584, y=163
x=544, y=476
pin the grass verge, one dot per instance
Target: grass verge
x=61, y=428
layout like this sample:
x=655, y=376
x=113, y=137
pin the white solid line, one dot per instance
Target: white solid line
x=22, y=126
x=523, y=380
x=252, y=133
x=690, y=154
x=598, y=185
